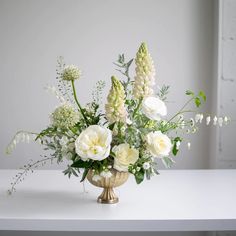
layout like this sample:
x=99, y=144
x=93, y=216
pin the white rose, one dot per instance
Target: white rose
x=94, y=143
x=124, y=156
x=153, y=108
x=158, y=144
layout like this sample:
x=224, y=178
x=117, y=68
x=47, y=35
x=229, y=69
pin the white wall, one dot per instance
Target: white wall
x=224, y=139
x=91, y=34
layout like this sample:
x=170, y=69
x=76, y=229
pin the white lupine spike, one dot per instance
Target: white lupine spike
x=145, y=73
x=208, y=120
x=220, y=121
x=215, y=120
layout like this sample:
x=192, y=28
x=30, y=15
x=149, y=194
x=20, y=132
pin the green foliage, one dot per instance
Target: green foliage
x=50, y=131
x=82, y=164
x=162, y=94
x=174, y=149
x=123, y=68
x=198, y=99
x=71, y=171
x=86, y=170
x=139, y=176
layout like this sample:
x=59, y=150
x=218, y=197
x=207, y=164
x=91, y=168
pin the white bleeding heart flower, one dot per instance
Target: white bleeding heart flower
x=153, y=108
x=94, y=143
x=124, y=156
x=158, y=144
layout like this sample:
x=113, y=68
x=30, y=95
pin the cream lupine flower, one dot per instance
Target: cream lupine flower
x=145, y=73
x=115, y=107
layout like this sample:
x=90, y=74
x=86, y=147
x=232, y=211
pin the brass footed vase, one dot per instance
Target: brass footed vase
x=108, y=195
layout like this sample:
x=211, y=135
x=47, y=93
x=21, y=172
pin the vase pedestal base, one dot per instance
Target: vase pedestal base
x=108, y=196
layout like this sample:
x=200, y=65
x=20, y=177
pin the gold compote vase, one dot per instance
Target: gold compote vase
x=108, y=195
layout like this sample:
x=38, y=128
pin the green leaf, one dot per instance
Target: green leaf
x=84, y=174
x=197, y=101
x=202, y=95
x=139, y=176
x=82, y=164
x=189, y=92
x=175, y=150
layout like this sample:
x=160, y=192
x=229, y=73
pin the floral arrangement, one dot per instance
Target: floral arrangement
x=132, y=135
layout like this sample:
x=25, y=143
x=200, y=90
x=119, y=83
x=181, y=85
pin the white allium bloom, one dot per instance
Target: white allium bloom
x=70, y=73
x=96, y=178
x=153, y=108
x=65, y=116
x=94, y=143
x=208, y=120
x=158, y=144
x=146, y=165
x=189, y=145
x=178, y=145
x=215, y=120
x=106, y=174
x=124, y=156
x=220, y=121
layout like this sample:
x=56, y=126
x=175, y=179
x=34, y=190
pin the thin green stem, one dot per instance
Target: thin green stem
x=181, y=110
x=138, y=106
x=77, y=102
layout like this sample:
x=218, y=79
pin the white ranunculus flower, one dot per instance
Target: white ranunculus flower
x=124, y=156
x=153, y=108
x=158, y=144
x=94, y=143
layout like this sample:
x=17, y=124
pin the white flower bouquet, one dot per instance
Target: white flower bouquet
x=132, y=135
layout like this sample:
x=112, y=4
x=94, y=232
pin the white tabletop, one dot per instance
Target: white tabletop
x=176, y=200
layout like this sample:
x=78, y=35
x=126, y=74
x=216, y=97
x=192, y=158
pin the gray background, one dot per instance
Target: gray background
x=184, y=38
x=91, y=34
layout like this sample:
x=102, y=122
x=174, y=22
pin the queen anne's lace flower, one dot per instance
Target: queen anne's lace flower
x=145, y=73
x=70, y=73
x=65, y=117
x=115, y=107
